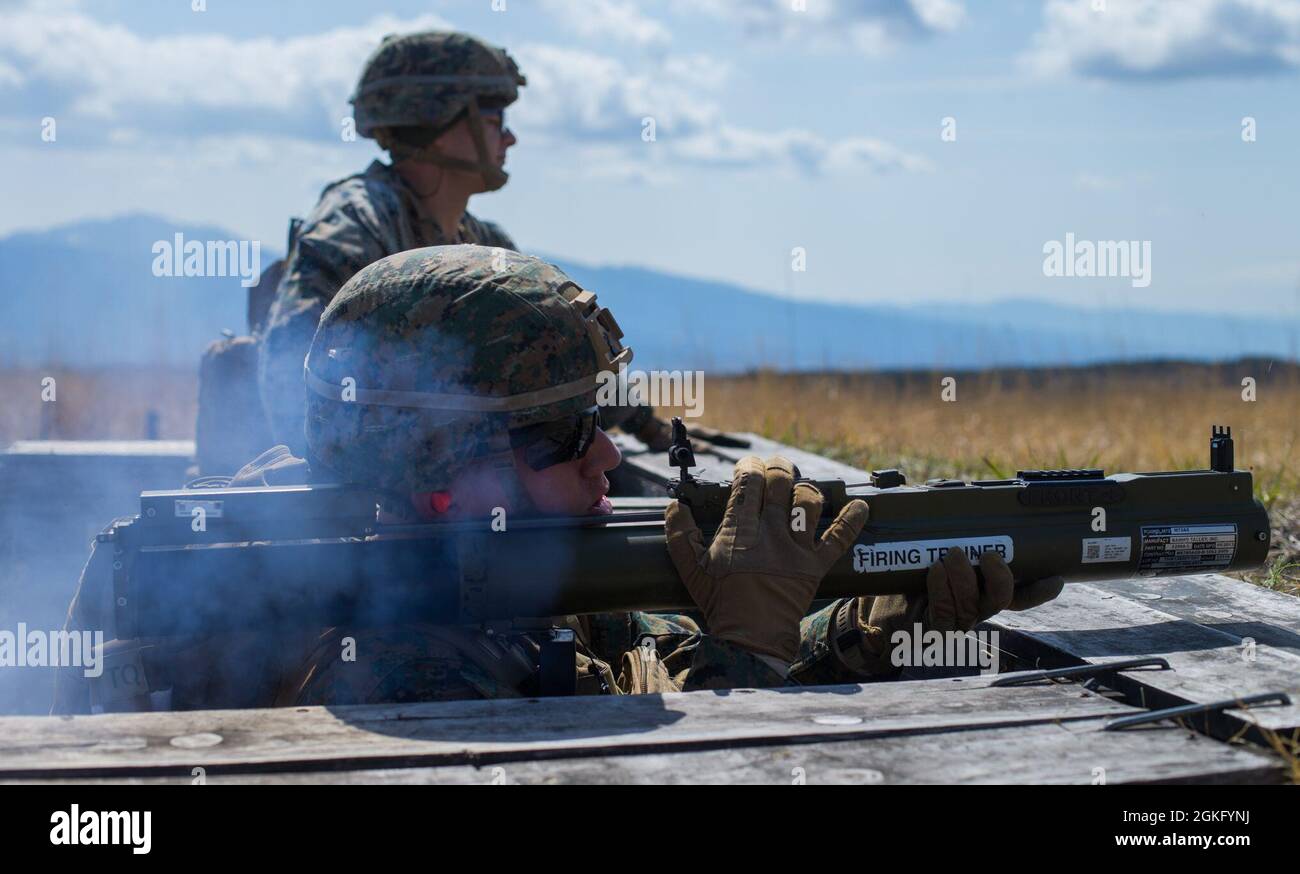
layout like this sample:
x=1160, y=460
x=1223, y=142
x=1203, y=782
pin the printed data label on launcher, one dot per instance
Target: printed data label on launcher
x=1173, y=548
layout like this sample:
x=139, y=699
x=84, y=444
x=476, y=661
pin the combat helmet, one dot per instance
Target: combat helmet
x=432, y=358
x=416, y=85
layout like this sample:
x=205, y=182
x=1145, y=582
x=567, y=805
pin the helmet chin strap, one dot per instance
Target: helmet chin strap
x=494, y=177
x=431, y=505
x=501, y=467
x=508, y=476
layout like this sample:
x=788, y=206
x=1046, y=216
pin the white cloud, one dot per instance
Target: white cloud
x=802, y=150
x=10, y=76
x=584, y=94
x=107, y=68
x=248, y=183
x=872, y=27
x=1279, y=272
x=878, y=156
x=577, y=95
x=616, y=20
x=1152, y=39
x=618, y=164
x=1096, y=182
x=250, y=92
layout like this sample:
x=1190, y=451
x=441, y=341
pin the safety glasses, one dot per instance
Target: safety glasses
x=556, y=442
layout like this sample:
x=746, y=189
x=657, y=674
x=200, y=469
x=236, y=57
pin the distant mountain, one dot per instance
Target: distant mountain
x=676, y=322
x=85, y=295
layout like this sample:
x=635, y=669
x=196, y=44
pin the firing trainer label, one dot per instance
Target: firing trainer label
x=875, y=558
x=1174, y=548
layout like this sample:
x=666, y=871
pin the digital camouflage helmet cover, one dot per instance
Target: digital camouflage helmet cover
x=416, y=85
x=427, y=359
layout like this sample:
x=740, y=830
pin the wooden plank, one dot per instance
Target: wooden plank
x=476, y=731
x=1089, y=624
x=98, y=449
x=1234, y=607
x=1063, y=753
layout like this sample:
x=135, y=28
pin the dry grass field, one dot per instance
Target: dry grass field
x=109, y=404
x=1122, y=418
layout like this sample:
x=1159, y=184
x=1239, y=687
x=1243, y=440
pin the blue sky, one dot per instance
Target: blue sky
x=776, y=128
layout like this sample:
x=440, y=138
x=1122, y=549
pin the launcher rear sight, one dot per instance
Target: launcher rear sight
x=708, y=500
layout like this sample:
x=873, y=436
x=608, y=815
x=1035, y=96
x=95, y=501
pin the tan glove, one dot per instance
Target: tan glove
x=953, y=601
x=758, y=576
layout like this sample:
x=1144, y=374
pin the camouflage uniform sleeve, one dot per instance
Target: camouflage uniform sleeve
x=827, y=657
x=335, y=244
x=718, y=664
x=669, y=653
x=399, y=665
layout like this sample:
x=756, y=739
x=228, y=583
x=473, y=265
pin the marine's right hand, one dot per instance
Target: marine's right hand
x=953, y=600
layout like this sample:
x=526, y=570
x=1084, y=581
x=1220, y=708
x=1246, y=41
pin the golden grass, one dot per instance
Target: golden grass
x=1129, y=422
x=107, y=404
x=1287, y=747
x=1136, y=418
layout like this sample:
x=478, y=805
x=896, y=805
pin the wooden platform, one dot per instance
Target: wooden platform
x=1223, y=638
x=946, y=731
x=951, y=730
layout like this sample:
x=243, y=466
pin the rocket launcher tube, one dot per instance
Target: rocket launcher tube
x=331, y=569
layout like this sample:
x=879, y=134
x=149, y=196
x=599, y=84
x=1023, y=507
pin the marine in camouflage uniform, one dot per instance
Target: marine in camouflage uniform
x=434, y=339
x=433, y=362
x=412, y=89
x=452, y=353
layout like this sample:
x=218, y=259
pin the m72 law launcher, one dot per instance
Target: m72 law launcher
x=205, y=560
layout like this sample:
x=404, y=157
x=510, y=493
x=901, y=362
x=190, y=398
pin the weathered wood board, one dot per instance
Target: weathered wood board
x=474, y=731
x=1090, y=623
x=1076, y=752
x=958, y=730
x=1232, y=606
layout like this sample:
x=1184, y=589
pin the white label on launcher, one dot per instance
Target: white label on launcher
x=1104, y=549
x=906, y=555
